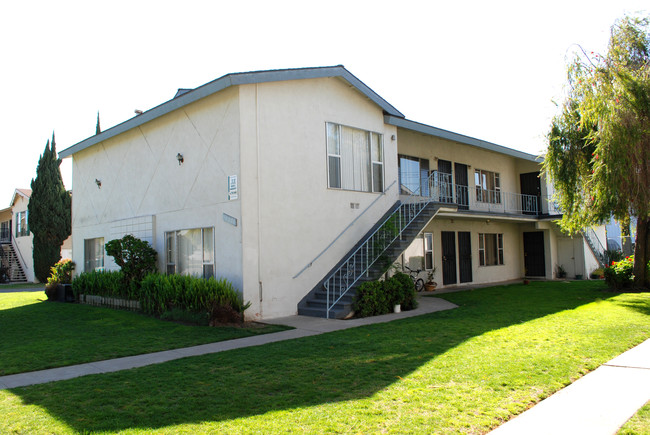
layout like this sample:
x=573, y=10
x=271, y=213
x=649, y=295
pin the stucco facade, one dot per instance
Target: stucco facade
x=248, y=158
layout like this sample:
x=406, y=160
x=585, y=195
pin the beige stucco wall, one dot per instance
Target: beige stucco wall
x=23, y=243
x=141, y=178
x=289, y=214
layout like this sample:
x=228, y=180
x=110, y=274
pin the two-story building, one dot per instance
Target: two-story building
x=16, y=240
x=272, y=179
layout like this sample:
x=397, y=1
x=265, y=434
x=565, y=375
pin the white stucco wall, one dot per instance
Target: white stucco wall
x=289, y=214
x=144, y=187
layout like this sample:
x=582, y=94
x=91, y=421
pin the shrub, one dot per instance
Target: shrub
x=135, y=257
x=109, y=284
x=60, y=273
x=619, y=274
x=409, y=300
x=379, y=297
x=371, y=300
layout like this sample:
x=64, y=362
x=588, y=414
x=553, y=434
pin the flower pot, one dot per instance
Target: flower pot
x=430, y=286
x=397, y=308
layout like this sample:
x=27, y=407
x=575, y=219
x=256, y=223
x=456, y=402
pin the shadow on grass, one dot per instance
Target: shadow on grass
x=339, y=366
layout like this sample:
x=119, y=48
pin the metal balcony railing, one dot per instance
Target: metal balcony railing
x=444, y=190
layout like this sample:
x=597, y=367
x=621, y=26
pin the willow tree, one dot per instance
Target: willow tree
x=598, y=155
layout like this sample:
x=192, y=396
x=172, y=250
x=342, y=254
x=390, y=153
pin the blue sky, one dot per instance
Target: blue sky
x=490, y=70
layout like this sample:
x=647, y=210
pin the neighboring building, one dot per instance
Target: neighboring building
x=270, y=178
x=16, y=240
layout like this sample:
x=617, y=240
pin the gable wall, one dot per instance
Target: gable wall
x=291, y=215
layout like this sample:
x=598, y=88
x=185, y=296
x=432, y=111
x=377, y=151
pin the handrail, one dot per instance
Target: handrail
x=364, y=257
x=596, y=246
x=14, y=243
x=344, y=230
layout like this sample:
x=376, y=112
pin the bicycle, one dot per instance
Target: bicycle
x=417, y=281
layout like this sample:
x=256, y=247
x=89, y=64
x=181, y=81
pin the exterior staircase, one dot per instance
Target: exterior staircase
x=9, y=261
x=596, y=247
x=368, y=260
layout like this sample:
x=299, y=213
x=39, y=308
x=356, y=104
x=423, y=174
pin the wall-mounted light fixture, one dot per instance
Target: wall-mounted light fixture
x=98, y=183
x=393, y=137
x=180, y=158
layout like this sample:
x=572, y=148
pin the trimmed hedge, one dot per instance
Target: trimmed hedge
x=379, y=297
x=159, y=294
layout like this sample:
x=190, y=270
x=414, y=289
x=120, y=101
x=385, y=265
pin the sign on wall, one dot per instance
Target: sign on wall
x=232, y=187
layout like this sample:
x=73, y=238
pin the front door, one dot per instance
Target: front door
x=534, y=261
x=464, y=256
x=462, y=193
x=444, y=181
x=531, y=193
x=448, y=257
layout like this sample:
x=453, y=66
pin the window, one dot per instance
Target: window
x=22, y=226
x=5, y=231
x=428, y=251
x=490, y=249
x=94, y=254
x=488, y=186
x=355, y=159
x=414, y=175
x=190, y=252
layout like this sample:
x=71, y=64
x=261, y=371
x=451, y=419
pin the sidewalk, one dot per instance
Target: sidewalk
x=304, y=327
x=598, y=403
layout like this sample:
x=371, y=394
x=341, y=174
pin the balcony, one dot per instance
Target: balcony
x=5, y=235
x=442, y=189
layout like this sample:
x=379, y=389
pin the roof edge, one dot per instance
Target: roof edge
x=457, y=137
x=224, y=82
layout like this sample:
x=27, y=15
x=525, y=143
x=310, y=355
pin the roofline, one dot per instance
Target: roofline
x=227, y=81
x=456, y=137
x=13, y=198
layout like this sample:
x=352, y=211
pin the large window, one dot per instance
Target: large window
x=488, y=186
x=190, y=252
x=94, y=254
x=490, y=249
x=355, y=159
x=22, y=227
x=414, y=175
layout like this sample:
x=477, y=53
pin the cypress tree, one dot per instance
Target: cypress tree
x=49, y=212
x=98, y=128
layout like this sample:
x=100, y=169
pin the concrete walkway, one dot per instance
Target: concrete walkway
x=598, y=403
x=304, y=327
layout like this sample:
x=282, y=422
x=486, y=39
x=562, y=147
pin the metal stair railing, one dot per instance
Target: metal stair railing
x=358, y=263
x=596, y=246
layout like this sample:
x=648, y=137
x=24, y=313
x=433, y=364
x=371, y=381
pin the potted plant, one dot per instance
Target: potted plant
x=59, y=283
x=561, y=273
x=431, y=285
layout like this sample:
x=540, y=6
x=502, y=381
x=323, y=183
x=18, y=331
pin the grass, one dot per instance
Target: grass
x=459, y=371
x=37, y=334
x=20, y=286
x=639, y=424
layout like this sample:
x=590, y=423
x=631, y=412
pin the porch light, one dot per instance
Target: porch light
x=98, y=183
x=180, y=158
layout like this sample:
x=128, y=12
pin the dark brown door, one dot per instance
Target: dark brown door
x=534, y=253
x=445, y=182
x=531, y=193
x=464, y=256
x=448, y=257
x=462, y=194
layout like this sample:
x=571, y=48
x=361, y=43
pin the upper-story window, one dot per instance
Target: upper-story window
x=488, y=186
x=355, y=159
x=22, y=227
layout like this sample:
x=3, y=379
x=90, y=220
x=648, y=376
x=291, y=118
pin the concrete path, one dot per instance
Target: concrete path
x=304, y=327
x=598, y=403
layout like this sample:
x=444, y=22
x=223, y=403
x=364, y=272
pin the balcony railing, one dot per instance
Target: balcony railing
x=442, y=189
x=5, y=235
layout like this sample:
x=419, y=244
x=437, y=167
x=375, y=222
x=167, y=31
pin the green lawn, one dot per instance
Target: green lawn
x=459, y=371
x=37, y=334
x=639, y=424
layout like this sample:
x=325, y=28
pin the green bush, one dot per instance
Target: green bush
x=371, y=300
x=619, y=274
x=110, y=284
x=135, y=257
x=379, y=297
